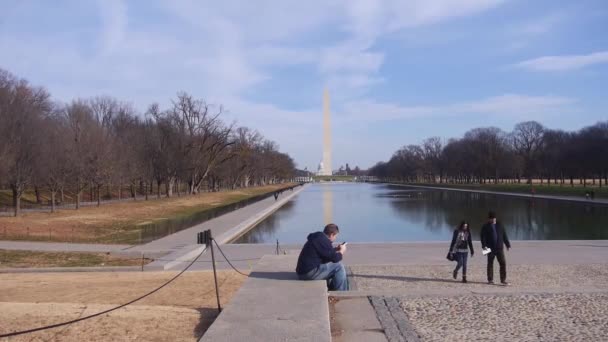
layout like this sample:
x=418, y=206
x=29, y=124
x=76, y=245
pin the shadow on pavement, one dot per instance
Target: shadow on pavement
x=207, y=316
x=274, y=275
x=413, y=279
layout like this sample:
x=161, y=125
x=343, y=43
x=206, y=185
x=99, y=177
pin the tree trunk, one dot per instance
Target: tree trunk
x=78, y=192
x=158, y=183
x=120, y=190
x=146, y=192
x=17, y=200
x=62, y=195
x=53, y=192
x=99, y=195
x=169, y=186
x=37, y=191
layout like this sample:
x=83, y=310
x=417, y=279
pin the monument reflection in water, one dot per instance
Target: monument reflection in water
x=382, y=213
x=327, y=204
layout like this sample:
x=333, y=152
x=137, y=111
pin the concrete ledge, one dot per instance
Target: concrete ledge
x=272, y=305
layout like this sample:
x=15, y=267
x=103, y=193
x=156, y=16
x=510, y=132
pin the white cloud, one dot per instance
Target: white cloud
x=509, y=105
x=538, y=26
x=564, y=63
x=525, y=33
x=220, y=50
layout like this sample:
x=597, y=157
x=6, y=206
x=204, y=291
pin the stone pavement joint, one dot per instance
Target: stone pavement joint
x=391, y=329
x=403, y=323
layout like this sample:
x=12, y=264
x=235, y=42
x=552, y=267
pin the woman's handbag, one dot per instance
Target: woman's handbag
x=450, y=256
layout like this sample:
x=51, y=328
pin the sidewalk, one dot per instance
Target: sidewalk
x=182, y=245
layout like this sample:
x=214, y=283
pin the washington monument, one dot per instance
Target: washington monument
x=325, y=169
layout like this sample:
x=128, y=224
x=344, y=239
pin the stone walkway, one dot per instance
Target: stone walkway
x=558, y=292
x=537, y=317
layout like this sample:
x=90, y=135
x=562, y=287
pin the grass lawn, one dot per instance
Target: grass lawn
x=26, y=259
x=117, y=222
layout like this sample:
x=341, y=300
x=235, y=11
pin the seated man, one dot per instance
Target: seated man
x=319, y=260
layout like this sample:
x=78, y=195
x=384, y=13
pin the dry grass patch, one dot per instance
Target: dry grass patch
x=116, y=222
x=26, y=259
x=181, y=311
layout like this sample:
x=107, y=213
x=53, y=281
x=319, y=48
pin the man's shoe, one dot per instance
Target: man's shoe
x=455, y=274
x=464, y=279
x=504, y=283
x=490, y=282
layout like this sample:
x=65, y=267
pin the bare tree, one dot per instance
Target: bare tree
x=527, y=140
x=22, y=108
x=100, y=142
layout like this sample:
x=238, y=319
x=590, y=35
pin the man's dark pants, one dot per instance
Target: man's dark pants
x=500, y=256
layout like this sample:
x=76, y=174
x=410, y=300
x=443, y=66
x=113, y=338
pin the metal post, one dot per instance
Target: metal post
x=217, y=290
x=277, y=246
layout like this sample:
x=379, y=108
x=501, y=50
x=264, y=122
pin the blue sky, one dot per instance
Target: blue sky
x=397, y=71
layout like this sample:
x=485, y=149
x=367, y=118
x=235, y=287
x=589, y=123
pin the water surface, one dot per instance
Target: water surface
x=383, y=213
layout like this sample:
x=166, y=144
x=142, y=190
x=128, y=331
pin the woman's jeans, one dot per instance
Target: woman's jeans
x=333, y=273
x=461, y=259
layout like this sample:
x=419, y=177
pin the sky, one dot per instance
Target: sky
x=397, y=71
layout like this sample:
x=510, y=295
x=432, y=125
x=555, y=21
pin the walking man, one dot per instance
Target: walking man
x=319, y=260
x=494, y=236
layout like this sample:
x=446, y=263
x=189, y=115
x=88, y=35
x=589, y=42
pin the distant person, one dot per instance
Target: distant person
x=319, y=260
x=494, y=236
x=587, y=195
x=461, y=243
x=276, y=195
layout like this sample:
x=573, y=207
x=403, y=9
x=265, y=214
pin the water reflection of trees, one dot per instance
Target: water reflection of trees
x=525, y=219
x=266, y=230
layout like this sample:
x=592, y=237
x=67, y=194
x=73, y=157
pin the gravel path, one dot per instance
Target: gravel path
x=559, y=317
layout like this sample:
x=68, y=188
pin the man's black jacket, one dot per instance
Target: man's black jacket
x=488, y=238
x=316, y=251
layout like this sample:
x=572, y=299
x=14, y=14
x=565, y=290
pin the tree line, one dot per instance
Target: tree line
x=101, y=142
x=491, y=155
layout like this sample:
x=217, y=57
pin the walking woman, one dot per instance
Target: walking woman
x=461, y=243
